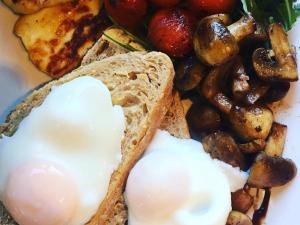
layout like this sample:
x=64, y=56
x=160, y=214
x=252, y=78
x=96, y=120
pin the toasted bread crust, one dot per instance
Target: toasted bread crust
x=134, y=143
x=174, y=121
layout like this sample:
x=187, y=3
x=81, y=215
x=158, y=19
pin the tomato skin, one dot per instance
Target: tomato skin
x=211, y=6
x=171, y=31
x=127, y=13
x=165, y=3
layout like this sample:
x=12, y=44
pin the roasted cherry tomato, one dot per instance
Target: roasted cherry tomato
x=171, y=31
x=165, y=3
x=211, y=6
x=127, y=13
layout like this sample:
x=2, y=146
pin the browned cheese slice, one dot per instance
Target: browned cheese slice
x=58, y=37
x=31, y=6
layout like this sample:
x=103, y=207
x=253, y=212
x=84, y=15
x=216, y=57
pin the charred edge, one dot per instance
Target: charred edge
x=69, y=53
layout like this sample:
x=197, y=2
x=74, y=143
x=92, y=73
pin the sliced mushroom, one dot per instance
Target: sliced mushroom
x=189, y=74
x=276, y=140
x=283, y=67
x=203, y=118
x=215, y=44
x=252, y=147
x=268, y=171
x=237, y=218
x=276, y=92
x=211, y=88
x=251, y=122
x=257, y=91
x=240, y=84
x=222, y=146
x=241, y=201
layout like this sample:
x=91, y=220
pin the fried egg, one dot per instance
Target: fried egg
x=177, y=183
x=56, y=168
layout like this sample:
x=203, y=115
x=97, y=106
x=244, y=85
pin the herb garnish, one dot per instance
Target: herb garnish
x=269, y=11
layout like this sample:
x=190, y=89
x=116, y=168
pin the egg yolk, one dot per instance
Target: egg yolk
x=40, y=193
x=157, y=192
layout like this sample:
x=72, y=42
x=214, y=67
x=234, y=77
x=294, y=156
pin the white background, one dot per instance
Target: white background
x=18, y=76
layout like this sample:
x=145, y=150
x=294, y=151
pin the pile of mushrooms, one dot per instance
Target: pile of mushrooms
x=231, y=94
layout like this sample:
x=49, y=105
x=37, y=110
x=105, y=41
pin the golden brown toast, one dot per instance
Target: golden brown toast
x=145, y=94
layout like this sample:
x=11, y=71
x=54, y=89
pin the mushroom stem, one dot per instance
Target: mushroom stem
x=243, y=27
x=215, y=43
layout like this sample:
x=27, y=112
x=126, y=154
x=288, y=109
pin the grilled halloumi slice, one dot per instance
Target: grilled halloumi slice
x=57, y=38
x=31, y=6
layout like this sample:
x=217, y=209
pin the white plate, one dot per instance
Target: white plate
x=18, y=76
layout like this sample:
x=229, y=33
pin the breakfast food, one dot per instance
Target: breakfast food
x=180, y=190
x=57, y=46
x=171, y=31
x=211, y=6
x=236, y=71
x=128, y=13
x=143, y=113
x=73, y=143
x=215, y=43
x=28, y=6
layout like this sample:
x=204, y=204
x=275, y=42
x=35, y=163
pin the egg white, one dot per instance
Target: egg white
x=78, y=128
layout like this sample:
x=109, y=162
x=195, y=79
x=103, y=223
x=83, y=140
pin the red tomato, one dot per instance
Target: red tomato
x=211, y=6
x=165, y=3
x=171, y=31
x=127, y=13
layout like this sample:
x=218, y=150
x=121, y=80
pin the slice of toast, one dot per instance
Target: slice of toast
x=142, y=84
x=174, y=121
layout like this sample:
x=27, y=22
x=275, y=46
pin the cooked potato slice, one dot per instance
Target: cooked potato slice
x=241, y=201
x=237, y=218
x=268, y=171
x=276, y=140
x=222, y=146
x=254, y=146
x=31, y=6
x=57, y=38
x=251, y=122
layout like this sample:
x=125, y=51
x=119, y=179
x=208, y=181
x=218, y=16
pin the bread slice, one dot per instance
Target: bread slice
x=107, y=45
x=142, y=84
x=174, y=121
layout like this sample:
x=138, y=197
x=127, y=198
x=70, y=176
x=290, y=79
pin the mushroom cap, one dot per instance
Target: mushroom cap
x=213, y=43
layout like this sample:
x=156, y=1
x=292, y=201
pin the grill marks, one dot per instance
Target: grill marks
x=57, y=47
x=87, y=30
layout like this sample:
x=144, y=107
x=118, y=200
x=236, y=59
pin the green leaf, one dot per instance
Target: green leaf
x=269, y=11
